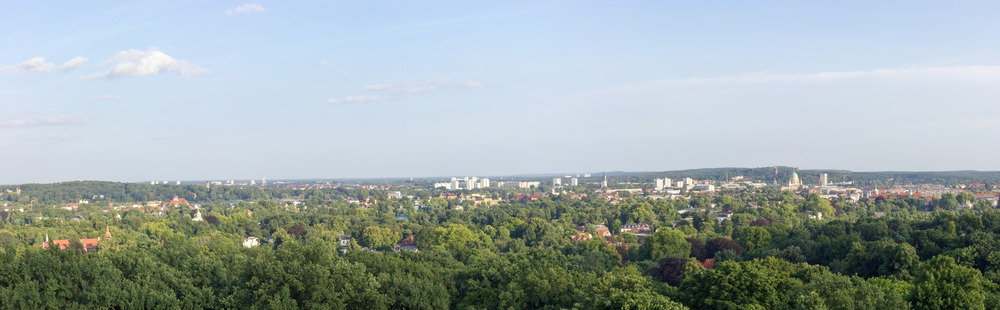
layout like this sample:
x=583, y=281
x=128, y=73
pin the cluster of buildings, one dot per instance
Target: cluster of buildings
x=557, y=182
x=87, y=245
x=688, y=184
x=468, y=183
x=640, y=230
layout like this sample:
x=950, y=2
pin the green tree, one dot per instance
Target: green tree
x=942, y=284
x=376, y=237
x=667, y=242
x=626, y=288
x=757, y=284
x=753, y=237
x=948, y=201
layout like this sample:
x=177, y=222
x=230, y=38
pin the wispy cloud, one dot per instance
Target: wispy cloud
x=421, y=87
x=39, y=121
x=74, y=63
x=955, y=74
x=353, y=99
x=105, y=98
x=406, y=88
x=246, y=8
x=134, y=62
x=34, y=65
x=60, y=137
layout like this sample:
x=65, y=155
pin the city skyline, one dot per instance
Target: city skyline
x=131, y=91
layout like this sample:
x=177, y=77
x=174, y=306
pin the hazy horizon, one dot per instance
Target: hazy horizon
x=594, y=174
x=189, y=90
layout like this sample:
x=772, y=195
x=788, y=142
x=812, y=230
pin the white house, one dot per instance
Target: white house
x=250, y=242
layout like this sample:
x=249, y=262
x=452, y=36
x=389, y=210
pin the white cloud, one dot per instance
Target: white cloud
x=39, y=121
x=421, y=87
x=354, y=99
x=34, y=65
x=105, y=98
x=246, y=8
x=142, y=63
x=74, y=63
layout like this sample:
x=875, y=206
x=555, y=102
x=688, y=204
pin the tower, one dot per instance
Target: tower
x=107, y=231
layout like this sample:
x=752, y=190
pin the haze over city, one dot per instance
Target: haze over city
x=188, y=90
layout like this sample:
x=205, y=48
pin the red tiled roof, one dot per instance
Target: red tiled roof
x=708, y=263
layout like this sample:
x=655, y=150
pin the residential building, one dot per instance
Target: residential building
x=250, y=242
x=88, y=245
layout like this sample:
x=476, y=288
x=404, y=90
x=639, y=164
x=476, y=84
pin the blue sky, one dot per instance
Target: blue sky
x=209, y=90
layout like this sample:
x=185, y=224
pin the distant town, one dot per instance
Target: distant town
x=669, y=233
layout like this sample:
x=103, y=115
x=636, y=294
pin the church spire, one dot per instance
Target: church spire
x=107, y=231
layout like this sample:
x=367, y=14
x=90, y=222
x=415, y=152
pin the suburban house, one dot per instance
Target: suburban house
x=406, y=245
x=640, y=230
x=250, y=242
x=344, y=241
x=88, y=245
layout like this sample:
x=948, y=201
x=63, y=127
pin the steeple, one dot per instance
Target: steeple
x=107, y=231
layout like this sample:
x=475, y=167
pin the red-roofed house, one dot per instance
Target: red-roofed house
x=90, y=244
x=708, y=263
x=602, y=230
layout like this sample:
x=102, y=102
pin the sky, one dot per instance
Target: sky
x=217, y=90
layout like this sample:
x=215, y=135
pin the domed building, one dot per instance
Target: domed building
x=794, y=181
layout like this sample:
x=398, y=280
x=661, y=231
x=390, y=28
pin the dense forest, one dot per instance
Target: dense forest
x=768, y=254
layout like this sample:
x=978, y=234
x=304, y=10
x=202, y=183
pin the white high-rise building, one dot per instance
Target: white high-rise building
x=484, y=183
x=574, y=182
x=667, y=182
x=178, y=183
x=252, y=182
x=556, y=182
x=659, y=185
x=823, y=181
x=454, y=184
x=263, y=181
x=470, y=184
